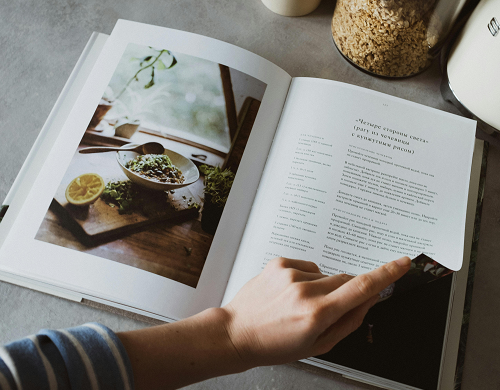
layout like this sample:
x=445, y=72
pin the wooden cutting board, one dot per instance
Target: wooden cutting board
x=100, y=222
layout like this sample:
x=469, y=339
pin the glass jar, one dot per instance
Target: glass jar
x=392, y=38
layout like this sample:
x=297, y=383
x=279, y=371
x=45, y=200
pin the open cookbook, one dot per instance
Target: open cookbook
x=253, y=164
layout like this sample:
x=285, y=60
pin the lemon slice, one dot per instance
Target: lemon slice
x=85, y=189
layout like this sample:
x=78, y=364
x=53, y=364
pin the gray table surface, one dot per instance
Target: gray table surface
x=40, y=42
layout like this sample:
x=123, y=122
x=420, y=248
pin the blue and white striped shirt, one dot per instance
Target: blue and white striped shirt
x=90, y=356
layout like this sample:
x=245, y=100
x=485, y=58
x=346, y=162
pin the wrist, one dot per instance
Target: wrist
x=217, y=324
x=184, y=352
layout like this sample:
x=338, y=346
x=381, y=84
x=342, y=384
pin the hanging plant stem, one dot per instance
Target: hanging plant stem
x=151, y=83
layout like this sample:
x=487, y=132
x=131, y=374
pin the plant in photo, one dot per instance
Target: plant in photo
x=218, y=184
x=127, y=112
x=153, y=62
x=131, y=109
x=122, y=194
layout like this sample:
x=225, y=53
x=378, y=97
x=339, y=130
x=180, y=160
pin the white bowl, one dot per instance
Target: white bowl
x=186, y=166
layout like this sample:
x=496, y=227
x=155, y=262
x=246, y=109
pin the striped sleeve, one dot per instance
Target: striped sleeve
x=90, y=356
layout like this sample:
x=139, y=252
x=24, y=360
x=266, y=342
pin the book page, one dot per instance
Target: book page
x=140, y=247
x=356, y=179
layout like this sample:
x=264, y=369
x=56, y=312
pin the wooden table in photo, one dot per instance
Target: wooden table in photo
x=171, y=243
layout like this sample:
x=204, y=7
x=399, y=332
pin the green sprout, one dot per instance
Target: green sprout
x=218, y=183
x=122, y=194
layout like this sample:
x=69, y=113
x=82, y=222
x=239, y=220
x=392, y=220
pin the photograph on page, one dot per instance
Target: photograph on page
x=156, y=209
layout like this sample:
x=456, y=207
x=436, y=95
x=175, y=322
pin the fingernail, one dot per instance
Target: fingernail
x=403, y=262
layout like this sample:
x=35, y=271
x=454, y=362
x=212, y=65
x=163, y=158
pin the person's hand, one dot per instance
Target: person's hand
x=292, y=311
x=288, y=312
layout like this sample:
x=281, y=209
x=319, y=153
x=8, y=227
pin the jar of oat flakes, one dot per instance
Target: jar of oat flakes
x=392, y=38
